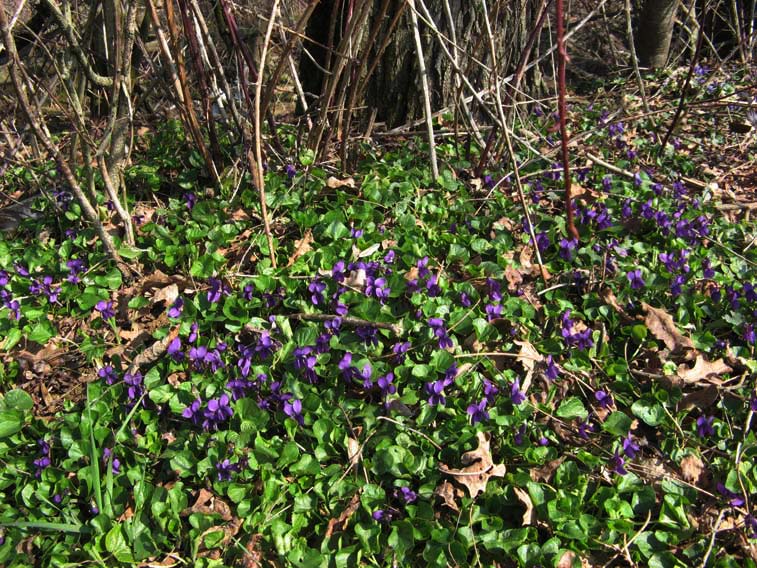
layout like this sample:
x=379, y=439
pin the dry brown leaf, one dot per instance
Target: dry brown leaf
x=692, y=469
x=167, y=562
x=253, y=556
x=334, y=183
x=566, y=560
x=447, y=492
x=240, y=215
x=703, y=370
x=528, y=356
x=340, y=523
x=529, y=515
x=412, y=274
x=514, y=278
x=662, y=326
x=167, y=295
x=354, y=452
x=126, y=515
x=208, y=504
x=356, y=279
x=609, y=298
x=479, y=467
x=544, y=473
x=703, y=398
x=302, y=246
x=168, y=437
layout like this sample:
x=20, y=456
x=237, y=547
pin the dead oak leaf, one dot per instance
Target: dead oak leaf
x=529, y=515
x=167, y=295
x=480, y=467
x=334, y=183
x=662, y=326
x=448, y=492
x=340, y=523
x=528, y=356
x=208, y=503
x=302, y=246
x=693, y=469
x=703, y=370
x=514, y=278
x=544, y=473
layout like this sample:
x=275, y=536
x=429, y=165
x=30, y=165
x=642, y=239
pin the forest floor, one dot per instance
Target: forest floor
x=416, y=383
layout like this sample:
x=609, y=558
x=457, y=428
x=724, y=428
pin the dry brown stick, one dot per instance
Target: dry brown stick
x=112, y=193
x=37, y=123
x=75, y=46
x=188, y=106
x=562, y=108
x=634, y=59
x=258, y=136
x=285, y=58
x=395, y=328
x=425, y=90
x=202, y=78
x=216, y=65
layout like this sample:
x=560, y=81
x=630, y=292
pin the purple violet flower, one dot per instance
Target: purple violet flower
x=216, y=412
x=176, y=308
x=105, y=307
x=478, y=412
x=293, y=409
x=704, y=426
x=630, y=448
x=617, y=463
x=517, y=395
x=634, y=277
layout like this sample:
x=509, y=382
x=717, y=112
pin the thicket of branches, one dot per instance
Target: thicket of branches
x=78, y=78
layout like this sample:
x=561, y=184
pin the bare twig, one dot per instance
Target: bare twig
x=258, y=146
x=395, y=328
x=37, y=123
x=634, y=59
x=562, y=61
x=684, y=88
x=426, y=94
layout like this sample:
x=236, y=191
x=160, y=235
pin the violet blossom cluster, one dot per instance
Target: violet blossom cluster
x=579, y=339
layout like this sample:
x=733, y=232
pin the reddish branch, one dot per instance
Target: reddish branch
x=562, y=60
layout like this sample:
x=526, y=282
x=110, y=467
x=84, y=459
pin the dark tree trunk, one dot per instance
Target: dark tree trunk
x=655, y=31
x=394, y=88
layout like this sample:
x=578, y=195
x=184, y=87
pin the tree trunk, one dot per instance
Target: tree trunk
x=655, y=31
x=394, y=88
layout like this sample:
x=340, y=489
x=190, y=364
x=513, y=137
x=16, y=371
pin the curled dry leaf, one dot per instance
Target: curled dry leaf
x=340, y=523
x=301, y=247
x=334, y=183
x=167, y=295
x=662, y=326
x=514, y=278
x=529, y=515
x=479, y=467
x=609, y=298
x=566, y=560
x=701, y=399
x=253, y=556
x=544, y=473
x=703, y=370
x=354, y=453
x=693, y=470
x=447, y=492
x=208, y=504
x=528, y=356
x=356, y=279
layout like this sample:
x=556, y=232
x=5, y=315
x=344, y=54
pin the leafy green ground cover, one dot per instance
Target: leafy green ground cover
x=409, y=390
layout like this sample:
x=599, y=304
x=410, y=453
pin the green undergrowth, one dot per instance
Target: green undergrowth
x=319, y=413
